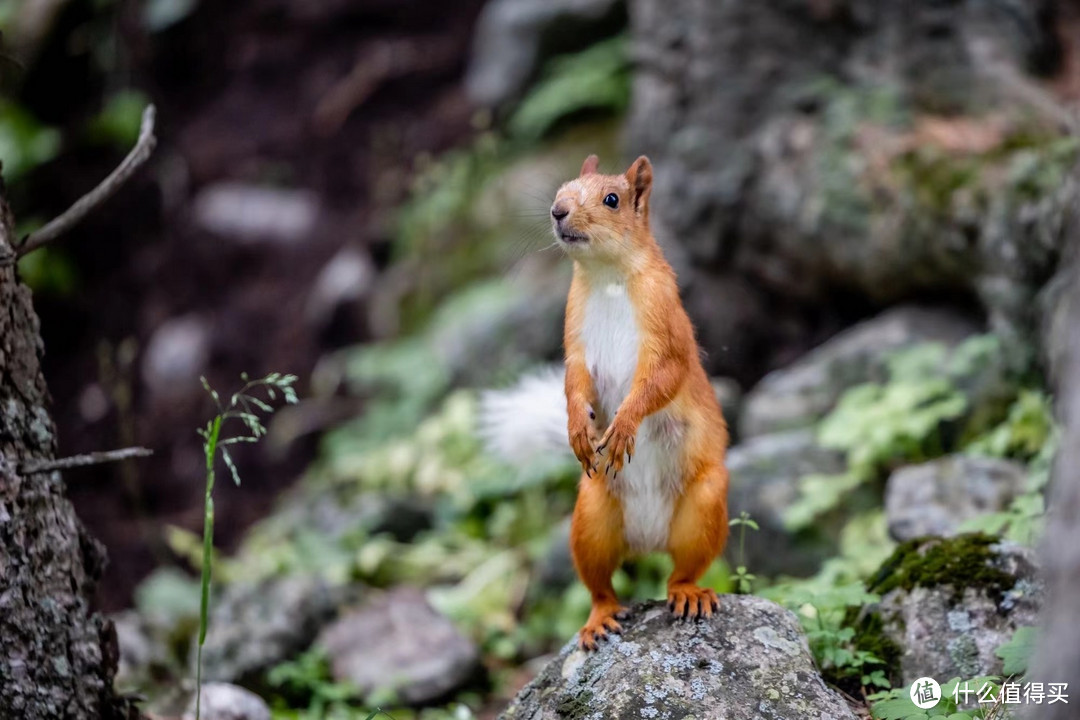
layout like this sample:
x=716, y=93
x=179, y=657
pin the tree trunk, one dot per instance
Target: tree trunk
x=57, y=658
x=1057, y=659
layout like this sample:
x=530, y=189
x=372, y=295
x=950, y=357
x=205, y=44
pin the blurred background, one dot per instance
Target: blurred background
x=867, y=204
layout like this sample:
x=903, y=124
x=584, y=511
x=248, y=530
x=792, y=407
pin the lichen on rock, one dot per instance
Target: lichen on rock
x=750, y=660
x=949, y=604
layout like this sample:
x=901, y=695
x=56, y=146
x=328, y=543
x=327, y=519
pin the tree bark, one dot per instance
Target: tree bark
x=57, y=658
x=1057, y=658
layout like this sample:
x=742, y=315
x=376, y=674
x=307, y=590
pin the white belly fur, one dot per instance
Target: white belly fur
x=648, y=484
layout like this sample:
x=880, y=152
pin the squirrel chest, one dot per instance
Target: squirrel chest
x=648, y=484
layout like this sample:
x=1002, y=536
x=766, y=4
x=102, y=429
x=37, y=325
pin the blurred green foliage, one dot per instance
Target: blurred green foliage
x=25, y=142
x=932, y=402
x=119, y=120
x=596, y=79
x=49, y=271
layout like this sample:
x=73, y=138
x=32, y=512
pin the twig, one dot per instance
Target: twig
x=91, y=200
x=94, y=458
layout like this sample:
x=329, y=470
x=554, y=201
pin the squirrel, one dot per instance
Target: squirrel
x=640, y=414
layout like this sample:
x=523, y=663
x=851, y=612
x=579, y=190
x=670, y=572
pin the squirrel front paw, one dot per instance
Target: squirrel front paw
x=617, y=445
x=583, y=440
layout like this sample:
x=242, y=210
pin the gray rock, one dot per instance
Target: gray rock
x=729, y=394
x=764, y=475
x=949, y=618
x=807, y=175
x=509, y=43
x=176, y=355
x=254, y=626
x=339, y=513
x=749, y=661
x=142, y=652
x=346, y=278
x=398, y=644
x=803, y=392
x=936, y=498
x=555, y=568
x=222, y=701
x=503, y=325
x=251, y=214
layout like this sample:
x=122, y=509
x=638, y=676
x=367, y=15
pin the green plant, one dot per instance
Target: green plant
x=824, y=611
x=1017, y=652
x=911, y=416
x=1028, y=433
x=308, y=676
x=743, y=579
x=242, y=406
x=597, y=78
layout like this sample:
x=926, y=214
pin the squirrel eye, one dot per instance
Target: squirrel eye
x=612, y=200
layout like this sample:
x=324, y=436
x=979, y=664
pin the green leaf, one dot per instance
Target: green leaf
x=595, y=79
x=1016, y=653
x=896, y=709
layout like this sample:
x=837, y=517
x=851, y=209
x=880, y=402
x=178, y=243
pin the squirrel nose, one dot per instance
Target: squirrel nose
x=559, y=212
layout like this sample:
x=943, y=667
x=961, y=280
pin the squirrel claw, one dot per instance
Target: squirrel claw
x=689, y=601
x=602, y=622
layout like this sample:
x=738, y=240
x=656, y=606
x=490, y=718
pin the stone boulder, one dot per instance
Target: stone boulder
x=255, y=626
x=801, y=393
x=222, y=701
x=765, y=473
x=749, y=661
x=397, y=646
x=881, y=161
x=936, y=498
x=948, y=604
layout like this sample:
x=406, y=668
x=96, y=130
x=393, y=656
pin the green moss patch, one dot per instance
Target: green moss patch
x=960, y=562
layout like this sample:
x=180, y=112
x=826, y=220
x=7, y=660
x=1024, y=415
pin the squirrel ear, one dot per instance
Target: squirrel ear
x=589, y=166
x=640, y=177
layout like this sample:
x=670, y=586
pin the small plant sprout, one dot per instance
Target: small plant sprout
x=245, y=406
x=743, y=579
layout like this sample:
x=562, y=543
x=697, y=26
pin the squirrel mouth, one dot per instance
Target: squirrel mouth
x=570, y=238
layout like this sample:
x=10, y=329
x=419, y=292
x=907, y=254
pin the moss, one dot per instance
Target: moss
x=869, y=637
x=574, y=706
x=934, y=177
x=960, y=562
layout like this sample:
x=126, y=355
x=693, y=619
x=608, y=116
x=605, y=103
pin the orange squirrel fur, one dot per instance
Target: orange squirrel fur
x=655, y=479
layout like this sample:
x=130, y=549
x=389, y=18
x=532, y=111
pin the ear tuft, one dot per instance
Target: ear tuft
x=640, y=178
x=590, y=165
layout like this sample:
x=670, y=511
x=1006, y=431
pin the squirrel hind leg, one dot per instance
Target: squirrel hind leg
x=699, y=530
x=597, y=547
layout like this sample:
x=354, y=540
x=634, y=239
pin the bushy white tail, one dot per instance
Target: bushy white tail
x=527, y=420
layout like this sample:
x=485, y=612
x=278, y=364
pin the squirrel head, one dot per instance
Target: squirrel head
x=605, y=218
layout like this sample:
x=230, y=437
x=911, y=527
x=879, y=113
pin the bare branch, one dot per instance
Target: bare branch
x=94, y=458
x=106, y=189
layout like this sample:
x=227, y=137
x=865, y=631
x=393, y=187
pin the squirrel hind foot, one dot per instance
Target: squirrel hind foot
x=602, y=622
x=690, y=601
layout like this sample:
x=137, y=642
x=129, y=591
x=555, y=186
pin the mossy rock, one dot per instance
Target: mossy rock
x=961, y=562
x=948, y=604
